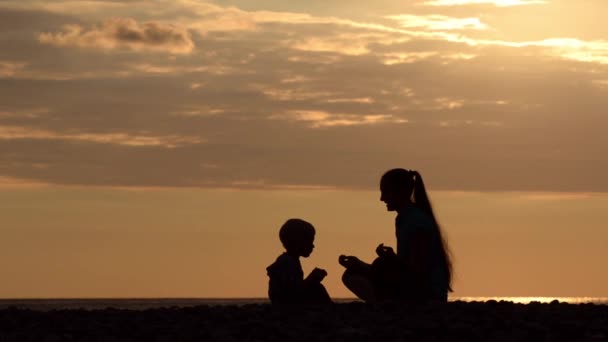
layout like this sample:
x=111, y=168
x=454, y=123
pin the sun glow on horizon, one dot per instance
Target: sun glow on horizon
x=528, y=300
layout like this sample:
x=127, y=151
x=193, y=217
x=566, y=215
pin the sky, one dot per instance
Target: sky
x=153, y=148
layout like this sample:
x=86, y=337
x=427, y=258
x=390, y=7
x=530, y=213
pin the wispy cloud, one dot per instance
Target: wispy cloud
x=18, y=183
x=576, y=49
x=124, y=33
x=269, y=185
x=73, y=7
x=448, y=103
x=438, y=22
x=167, y=141
x=499, y=3
x=9, y=69
x=357, y=42
x=353, y=46
x=291, y=94
x=367, y=100
x=199, y=112
x=461, y=123
x=322, y=119
x=406, y=57
x=33, y=113
x=556, y=196
x=595, y=51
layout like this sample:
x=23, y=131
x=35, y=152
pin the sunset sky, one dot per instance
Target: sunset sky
x=153, y=148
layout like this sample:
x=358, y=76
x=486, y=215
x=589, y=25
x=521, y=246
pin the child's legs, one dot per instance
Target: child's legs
x=317, y=294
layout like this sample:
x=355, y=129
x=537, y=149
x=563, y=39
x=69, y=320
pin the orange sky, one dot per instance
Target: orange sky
x=501, y=101
x=92, y=242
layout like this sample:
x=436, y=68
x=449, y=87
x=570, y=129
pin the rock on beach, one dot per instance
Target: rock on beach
x=454, y=321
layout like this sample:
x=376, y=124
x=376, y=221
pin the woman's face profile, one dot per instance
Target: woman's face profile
x=393, y=198
x=387, y=196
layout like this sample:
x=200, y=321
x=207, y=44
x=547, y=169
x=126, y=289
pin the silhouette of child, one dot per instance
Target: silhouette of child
x=287, y=284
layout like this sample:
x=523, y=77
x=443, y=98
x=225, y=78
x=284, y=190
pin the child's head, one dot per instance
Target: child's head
x=297, y=237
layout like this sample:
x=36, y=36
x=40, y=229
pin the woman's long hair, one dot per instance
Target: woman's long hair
x=411, y=183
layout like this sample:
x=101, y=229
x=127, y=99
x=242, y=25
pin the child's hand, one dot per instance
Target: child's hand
x=384, y=251
x=317, y=275
x=349, y=262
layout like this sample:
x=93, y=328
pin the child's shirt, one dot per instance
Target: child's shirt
x=286, y=280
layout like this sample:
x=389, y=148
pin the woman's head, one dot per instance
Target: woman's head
x=397, y=188
x=400, y=188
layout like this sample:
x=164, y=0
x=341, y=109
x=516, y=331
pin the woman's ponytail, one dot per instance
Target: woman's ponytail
x=421, y=200
x=420, y=196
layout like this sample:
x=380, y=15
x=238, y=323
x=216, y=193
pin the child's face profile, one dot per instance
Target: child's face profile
x=304, y=246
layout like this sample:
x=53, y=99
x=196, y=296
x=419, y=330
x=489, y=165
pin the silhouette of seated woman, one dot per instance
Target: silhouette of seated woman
x=287, y=284
x=421, y=269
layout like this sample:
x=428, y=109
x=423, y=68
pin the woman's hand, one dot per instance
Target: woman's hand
x=349, y=261
x=384, y=251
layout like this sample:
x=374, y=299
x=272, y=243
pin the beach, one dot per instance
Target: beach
x=356, y=321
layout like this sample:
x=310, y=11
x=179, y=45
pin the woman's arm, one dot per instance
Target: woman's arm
x=354, y=264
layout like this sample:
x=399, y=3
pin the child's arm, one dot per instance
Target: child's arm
x=316, y=276
x=294, y=290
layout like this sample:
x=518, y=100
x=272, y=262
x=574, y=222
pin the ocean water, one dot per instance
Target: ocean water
x=150, y=303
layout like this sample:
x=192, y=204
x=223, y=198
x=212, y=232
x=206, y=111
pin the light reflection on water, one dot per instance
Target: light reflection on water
x=526, y=300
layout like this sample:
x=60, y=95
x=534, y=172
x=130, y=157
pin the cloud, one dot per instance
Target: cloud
x=347, y=46
x=595, y=51
x=177, y=69
x=23, y=115
x=460, y=123
x=10, y=69
x=269, y=185
x=498, y=3
x=484, y=111
x=124, y=33
x=73, y=7
x=406, y=57
x=438, y=22
x=367, y=100
x=557, y=196
x=322, y=119
x=17, y=183
x=576, y=49
x=124, y=139
x=290, y=94
x=198, y=112
x=353, y=38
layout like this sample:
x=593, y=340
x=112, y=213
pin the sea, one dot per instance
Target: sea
x=152, y=303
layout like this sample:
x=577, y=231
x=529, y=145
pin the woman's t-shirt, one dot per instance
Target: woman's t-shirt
x=414, y=221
